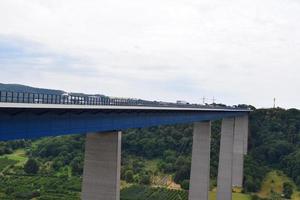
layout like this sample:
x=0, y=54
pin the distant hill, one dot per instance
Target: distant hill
x=24, y=88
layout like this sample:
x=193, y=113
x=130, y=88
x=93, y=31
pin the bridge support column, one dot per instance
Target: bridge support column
x=240, y=133
x=200, y=171
x=224, y=189
x=246, y=135
x=102, y=164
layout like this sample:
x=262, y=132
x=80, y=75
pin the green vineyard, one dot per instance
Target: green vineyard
x=5, y=162
x=18, y=187
x=148, y=193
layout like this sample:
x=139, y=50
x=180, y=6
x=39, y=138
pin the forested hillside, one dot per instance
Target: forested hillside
x=274, y=144
x=51, y=168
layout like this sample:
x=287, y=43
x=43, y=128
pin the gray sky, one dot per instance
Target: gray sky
x=237, y=51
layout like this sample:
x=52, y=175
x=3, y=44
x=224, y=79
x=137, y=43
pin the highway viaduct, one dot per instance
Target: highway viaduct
x=103, y=122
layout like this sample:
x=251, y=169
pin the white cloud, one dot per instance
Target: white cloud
x=238, y=51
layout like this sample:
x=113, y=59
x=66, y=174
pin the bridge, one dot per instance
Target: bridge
x=102, y=119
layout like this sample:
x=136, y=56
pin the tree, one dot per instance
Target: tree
x=145, y=179
x=129, y=176
x=31, y=166
x=77, y=165
x=291, y=165
x=181, y=174
x=57, y=164
x=287, y=190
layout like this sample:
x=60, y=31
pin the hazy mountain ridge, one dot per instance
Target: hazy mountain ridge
x=29, y=89
x=24, y=88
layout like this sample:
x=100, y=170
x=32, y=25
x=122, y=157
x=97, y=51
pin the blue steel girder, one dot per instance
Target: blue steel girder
x=25, y=123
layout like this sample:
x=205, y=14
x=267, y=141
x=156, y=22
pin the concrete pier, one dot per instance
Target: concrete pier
x=224, y=189
x=200, y=171
x=240, y=132
x=102, y=164
x=238, y=153
x=246, y=135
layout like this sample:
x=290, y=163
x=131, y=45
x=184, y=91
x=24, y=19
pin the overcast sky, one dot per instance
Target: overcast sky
x=237, y=51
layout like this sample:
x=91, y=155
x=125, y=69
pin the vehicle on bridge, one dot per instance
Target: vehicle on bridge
x=181, y=102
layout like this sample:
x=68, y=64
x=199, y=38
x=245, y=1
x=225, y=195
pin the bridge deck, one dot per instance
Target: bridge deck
x=33, y=120
x=114, y=107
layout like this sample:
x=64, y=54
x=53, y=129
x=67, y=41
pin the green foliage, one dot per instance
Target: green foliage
x=31, y=166
x=185, y=184
x=182, y=167
x=275, y=196
x=145, y=179
x=291, y=165
x=274, y=144
x=60, y=152
x=129, y=176
x=287, y=190
x=77, y=165
x=153, y=142
x=134, y=170
x=254, y=173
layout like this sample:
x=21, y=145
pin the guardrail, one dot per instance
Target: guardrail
x=40, y=98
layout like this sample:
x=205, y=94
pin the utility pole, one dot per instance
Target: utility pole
x=213, y=100
x=274, y=102
x=208, y=99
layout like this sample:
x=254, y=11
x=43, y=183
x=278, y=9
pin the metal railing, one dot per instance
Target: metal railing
x=42, y=98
